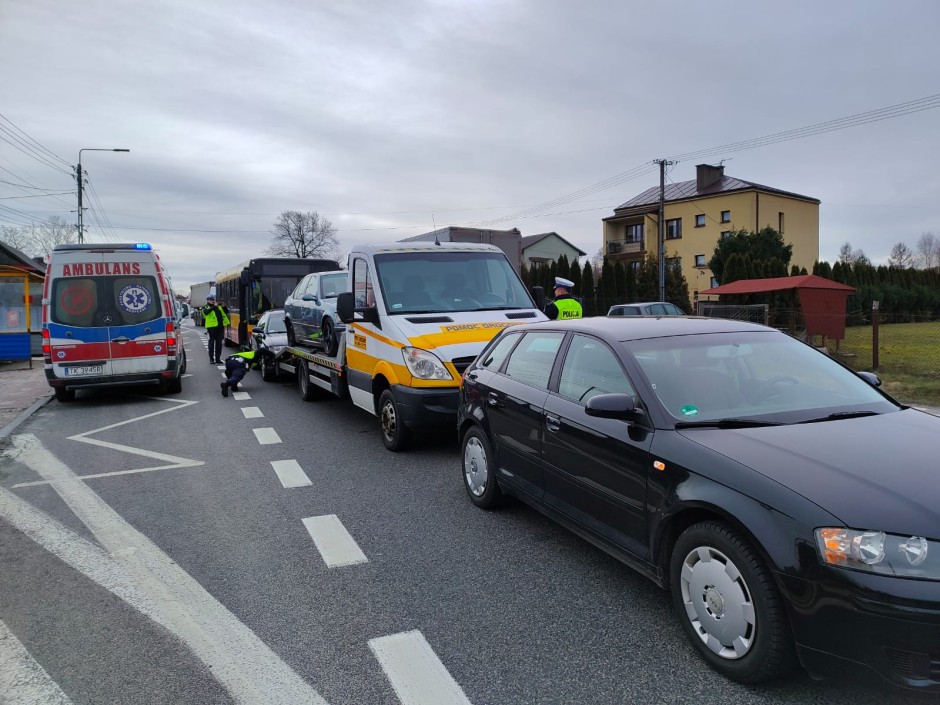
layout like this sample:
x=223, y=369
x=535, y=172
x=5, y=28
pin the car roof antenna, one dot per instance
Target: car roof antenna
x=434, y=225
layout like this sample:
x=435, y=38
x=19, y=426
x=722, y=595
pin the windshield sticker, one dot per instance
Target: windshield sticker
x=76, y=300
x=689, y=410
x=134, y=298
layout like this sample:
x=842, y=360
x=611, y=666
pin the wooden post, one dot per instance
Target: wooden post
x=874, y=336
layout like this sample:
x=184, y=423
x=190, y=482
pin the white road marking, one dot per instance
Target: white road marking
x=266, y=436
x=415, y=672
x=290, y=473
x=241, y=396
x=245, y=666
x=252, y=412
x=22, y=679
x=333, y=542
x=173, y=461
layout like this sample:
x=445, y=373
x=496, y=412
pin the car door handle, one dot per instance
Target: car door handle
x=122, y=339
x=552, y=422
x=493, y=399
x=472, y=375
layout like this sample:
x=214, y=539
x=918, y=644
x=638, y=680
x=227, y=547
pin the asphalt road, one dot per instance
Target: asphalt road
x=201, y=581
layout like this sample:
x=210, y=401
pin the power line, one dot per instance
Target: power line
x=34, y=142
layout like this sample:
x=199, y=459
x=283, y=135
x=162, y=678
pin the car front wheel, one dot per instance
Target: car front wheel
x=479, y=470
x=395, y=435
x=330, y=342
x=729, y=605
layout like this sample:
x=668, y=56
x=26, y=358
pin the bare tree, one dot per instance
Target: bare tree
x=51, y=232
x=597, y=262
x=928, y=251
x=847, y=255
x=19, y=238
x=303, y=235
x=901, y=256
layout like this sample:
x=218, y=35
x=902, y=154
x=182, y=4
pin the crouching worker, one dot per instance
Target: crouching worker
x=237, y=366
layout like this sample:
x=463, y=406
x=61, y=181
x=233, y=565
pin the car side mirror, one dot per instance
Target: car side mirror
x=614, y=406
x=346, y=310
x=870, y=377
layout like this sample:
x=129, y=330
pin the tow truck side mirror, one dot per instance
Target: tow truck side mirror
x=345, y=306
x=538, y=293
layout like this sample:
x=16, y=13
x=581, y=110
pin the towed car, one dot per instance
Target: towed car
x=310, y=311
x=270, y=332
x=789, y=506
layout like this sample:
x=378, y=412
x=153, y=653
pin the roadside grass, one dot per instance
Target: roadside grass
x=908, y=358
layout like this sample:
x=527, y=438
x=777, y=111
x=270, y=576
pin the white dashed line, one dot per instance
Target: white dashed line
x=290, y=473
x=333, y=542
x=22, y=679
x=266, y=436
x=415, y=672
x=252, y=412
x=241, y=396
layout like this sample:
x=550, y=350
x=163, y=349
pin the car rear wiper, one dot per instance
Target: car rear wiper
x=842, y=415
x=728, y=423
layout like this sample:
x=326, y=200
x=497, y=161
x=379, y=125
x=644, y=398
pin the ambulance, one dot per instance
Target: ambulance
x=416, y=315
x=109, y=320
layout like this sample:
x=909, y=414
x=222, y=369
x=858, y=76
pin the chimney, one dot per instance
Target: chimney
x=707, y=175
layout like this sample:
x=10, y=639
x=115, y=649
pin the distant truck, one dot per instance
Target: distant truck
x=197, y=299
x=416, y=315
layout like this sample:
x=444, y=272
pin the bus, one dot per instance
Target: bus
x=260, y=284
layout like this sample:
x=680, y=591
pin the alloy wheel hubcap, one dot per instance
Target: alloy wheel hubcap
x=718, y=602
x=475, y=467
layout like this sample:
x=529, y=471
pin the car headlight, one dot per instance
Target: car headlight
x=424, y=365
x=878, y=552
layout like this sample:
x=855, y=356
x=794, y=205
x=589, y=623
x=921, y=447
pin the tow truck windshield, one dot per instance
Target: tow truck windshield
x=439, y=282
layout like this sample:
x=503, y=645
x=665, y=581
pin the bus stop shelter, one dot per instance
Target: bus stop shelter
x=21, y=280
x=822, y=301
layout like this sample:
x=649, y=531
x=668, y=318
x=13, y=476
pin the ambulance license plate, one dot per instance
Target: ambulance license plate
x=83, y=370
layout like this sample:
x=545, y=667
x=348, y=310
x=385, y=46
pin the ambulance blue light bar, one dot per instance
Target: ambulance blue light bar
x=102, y=247
x=142, y=246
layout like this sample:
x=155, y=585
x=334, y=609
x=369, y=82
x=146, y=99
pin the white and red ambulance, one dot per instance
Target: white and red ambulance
x=109, y=319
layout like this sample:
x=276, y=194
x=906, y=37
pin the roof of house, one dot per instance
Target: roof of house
x=759, y=286
x=530, y=240
x=15, y=259
x=685, y=190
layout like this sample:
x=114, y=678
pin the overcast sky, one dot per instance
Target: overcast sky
x=390, y=117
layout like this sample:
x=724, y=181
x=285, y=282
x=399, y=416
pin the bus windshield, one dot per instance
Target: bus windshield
x=437, y=282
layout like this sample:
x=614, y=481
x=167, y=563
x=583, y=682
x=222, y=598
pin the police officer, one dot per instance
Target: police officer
x=565, y=306
x=237, y=366
x=216, y=319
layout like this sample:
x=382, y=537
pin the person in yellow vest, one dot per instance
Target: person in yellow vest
x=565, y=306
x=216, y=319
x=237, y=366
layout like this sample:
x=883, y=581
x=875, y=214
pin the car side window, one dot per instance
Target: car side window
x=657, y=310
x=300, y=289
x=673, y=310
x=591, y=368
x=615, y=312
x=493, y=358
x=532, y=359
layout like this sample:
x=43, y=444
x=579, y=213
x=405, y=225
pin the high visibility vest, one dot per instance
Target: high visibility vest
x=211, y=320
x=249, y=357
x=568, y=307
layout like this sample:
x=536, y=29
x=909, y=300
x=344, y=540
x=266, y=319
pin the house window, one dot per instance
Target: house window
x=635, y=266
x=700, y=220
x=674, y=229
x=726, y=216
x=780, y=223
x=634, y=233
x=725, y=234
x=700, y=260
x=714, y=282
x=674, y=261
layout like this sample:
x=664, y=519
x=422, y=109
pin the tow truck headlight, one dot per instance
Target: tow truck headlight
x=879, y=552
x=425, y=365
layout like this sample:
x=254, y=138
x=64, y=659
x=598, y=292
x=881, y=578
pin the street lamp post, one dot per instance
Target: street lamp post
x=78, y=178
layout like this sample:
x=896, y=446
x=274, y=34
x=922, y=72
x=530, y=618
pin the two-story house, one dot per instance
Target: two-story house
x=545, y=248
x=700, y=212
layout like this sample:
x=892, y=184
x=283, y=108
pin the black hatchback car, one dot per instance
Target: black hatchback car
x=791, y=508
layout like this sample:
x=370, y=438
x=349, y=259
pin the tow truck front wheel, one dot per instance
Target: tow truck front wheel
x=395, y=435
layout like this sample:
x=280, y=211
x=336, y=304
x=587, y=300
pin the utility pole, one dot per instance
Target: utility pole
x=661, y=239
x=78, y=178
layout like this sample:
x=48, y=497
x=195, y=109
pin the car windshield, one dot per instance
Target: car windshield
x=275, y=323
x=332, y=284
x=763, y=375
x=431, y=282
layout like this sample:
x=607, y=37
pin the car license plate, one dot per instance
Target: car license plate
x=83, y=370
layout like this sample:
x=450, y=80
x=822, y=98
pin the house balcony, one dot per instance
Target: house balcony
x=625, y=249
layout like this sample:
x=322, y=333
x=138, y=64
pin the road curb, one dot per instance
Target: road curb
x=25, y=414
